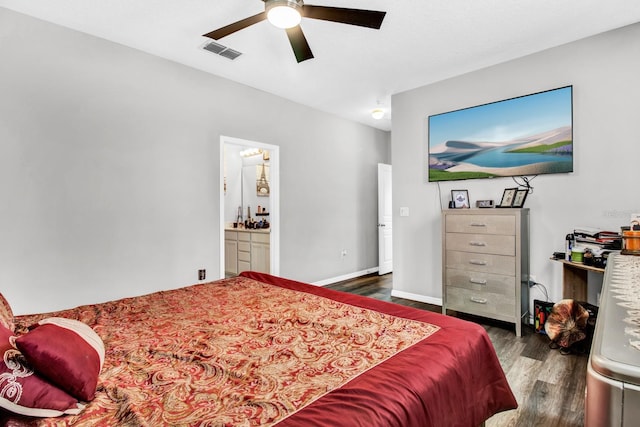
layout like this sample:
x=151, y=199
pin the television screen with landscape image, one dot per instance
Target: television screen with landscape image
x=527, y=135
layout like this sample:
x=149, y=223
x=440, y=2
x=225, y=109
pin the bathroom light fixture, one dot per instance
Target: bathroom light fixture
x=251, y=152
x=283, y=13
x=377, y=113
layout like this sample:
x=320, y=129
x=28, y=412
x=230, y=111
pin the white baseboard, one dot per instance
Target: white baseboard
x=416, y=297
x=394, y=293
x=353, y=275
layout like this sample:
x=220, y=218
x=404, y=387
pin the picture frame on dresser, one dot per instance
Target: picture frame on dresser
x=460, y=199
x=520, y=197
x=507, y=197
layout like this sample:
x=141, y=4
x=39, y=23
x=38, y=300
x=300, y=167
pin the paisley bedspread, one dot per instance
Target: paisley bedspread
x=257, y=350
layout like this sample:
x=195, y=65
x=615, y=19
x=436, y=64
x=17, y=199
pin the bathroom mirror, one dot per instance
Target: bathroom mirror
x=246, y=182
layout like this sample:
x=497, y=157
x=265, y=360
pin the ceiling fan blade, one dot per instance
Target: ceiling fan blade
x=236, y=26
x=299, y=43
x=361, y=17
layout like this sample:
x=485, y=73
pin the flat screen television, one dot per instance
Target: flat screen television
x=527, y=135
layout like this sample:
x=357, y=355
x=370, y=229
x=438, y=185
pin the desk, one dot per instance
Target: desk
x=574, y=279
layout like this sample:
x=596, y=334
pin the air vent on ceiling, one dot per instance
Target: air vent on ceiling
x=221, y=50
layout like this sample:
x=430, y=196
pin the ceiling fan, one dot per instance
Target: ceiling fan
x=287, y=14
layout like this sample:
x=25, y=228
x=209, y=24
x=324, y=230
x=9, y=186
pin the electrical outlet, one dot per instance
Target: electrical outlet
x=343, y=253
x=202, y=274
x=532, y=278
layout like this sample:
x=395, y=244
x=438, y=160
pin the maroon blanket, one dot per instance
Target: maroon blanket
x=242, y=351
x=452, y=378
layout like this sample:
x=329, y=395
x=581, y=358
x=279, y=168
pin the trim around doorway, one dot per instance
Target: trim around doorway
x=274, y=194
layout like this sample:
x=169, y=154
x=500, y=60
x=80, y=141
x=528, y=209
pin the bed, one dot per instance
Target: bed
x=259, y=350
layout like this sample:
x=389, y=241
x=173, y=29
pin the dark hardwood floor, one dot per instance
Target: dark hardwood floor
x=549, y=386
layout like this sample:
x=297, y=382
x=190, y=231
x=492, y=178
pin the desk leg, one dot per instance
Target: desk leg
x=574, y=283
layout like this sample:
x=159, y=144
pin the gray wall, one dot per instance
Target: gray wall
x=602, y=191
x=109, y=172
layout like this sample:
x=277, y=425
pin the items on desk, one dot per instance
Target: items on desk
x=597, y=239
x=635, y=222
x=631, y=236
x=631, y=242
x=568, y=246
x=577, y=253
x=589, y=246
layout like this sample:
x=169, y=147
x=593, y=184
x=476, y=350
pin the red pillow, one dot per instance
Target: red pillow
x=23, y=392
x=66, y=352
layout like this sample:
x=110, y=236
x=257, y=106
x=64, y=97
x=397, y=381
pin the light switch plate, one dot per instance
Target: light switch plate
x=404, y=211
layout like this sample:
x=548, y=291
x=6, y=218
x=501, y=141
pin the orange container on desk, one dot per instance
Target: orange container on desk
x=631, y=242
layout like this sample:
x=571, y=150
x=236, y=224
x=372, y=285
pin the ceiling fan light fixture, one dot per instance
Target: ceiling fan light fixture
x=377, y=113
x=283, y=13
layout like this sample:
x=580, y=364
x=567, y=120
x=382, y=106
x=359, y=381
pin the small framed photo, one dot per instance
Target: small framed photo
x=520, y=197
x=507, y=197
x=460, y=199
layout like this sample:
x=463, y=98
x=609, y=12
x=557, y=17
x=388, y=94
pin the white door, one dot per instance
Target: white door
x=385, y=212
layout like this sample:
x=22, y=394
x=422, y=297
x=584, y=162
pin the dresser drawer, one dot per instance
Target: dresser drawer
x=243, y=266
x=484, y=263
x=260, y=237
x=481, y=224
x=488, y=304
x=482, y=282
x=482, y=243
x=244, y=247
x=244, y=256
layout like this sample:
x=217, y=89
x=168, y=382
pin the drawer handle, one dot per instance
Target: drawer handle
x=478, y=300
x=477, y=243
x=478, y=281
x=478, y=224
x=477, y=262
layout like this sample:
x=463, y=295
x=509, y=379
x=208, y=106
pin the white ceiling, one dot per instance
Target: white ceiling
x=355, y=68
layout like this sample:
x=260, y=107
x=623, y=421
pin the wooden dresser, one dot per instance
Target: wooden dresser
x=485, y=263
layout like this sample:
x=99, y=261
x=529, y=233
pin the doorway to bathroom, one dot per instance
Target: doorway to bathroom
x=249, y=192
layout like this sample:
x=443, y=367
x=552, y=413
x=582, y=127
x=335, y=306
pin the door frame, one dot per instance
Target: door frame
x=274, y=199
x=385, y=223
